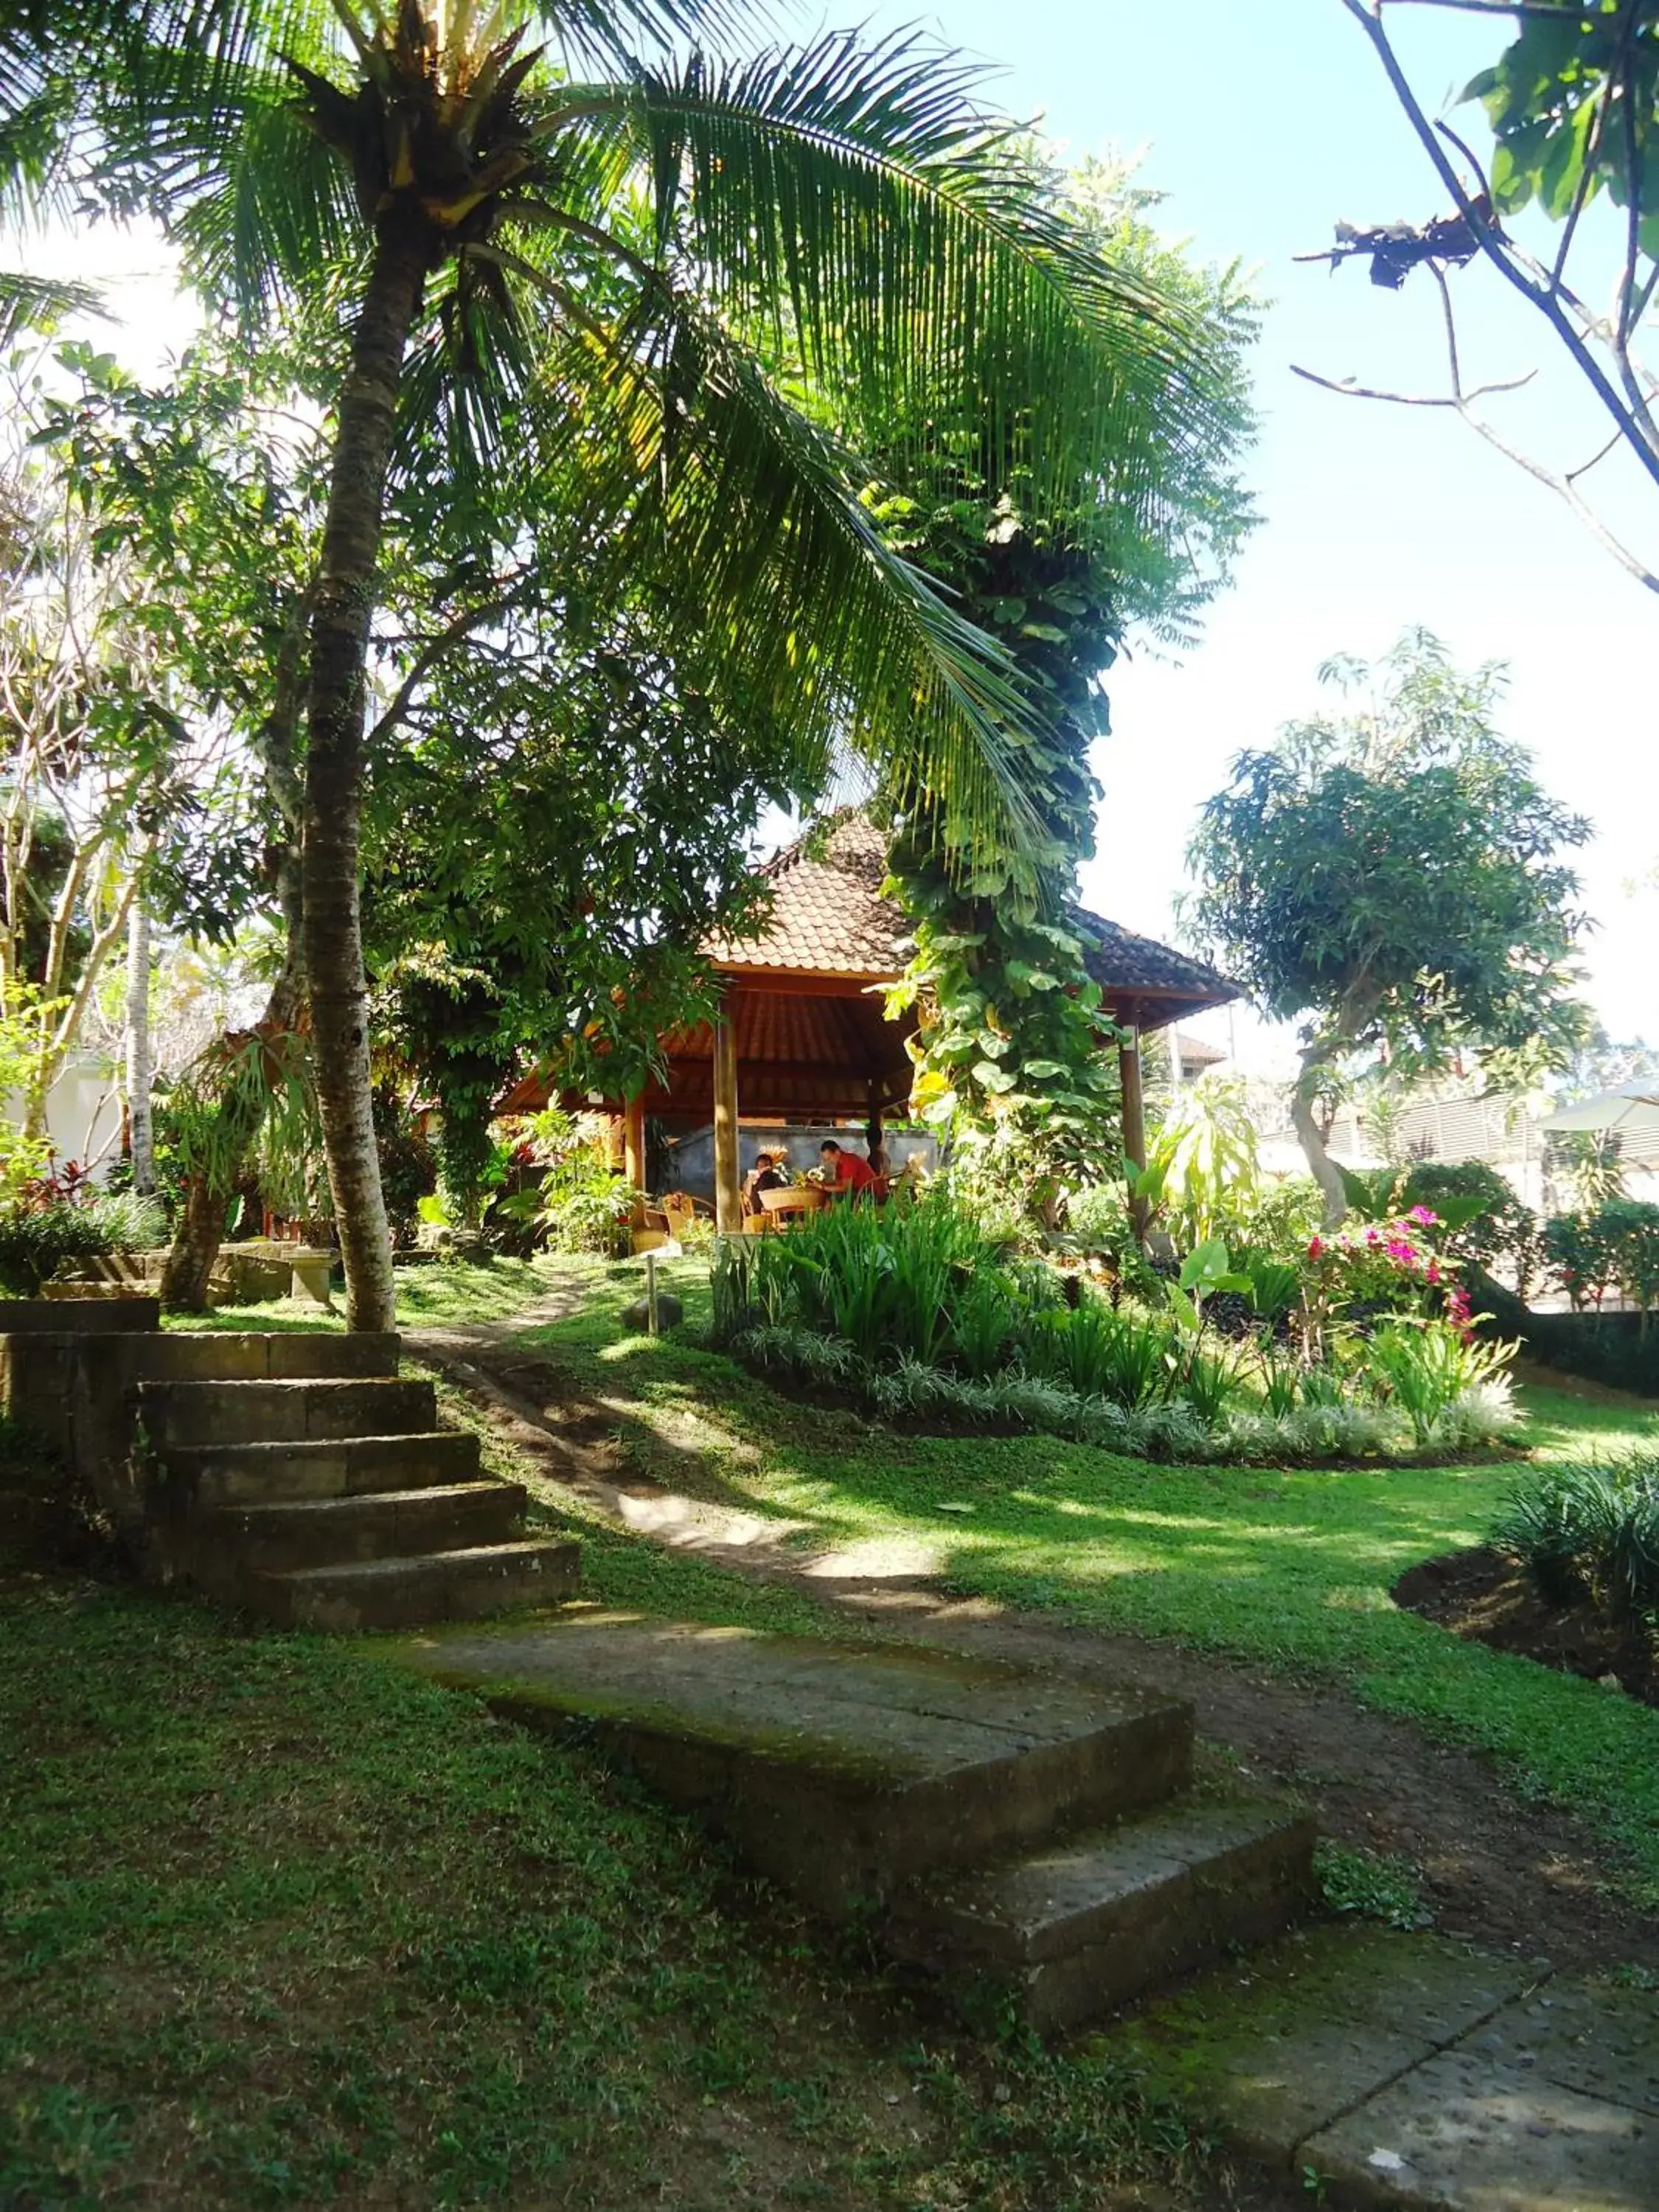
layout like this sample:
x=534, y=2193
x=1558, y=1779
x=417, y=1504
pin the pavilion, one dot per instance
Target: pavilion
x=802, y=1033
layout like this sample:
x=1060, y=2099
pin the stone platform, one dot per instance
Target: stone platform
x=1002, y=1828
x=1404, y=2070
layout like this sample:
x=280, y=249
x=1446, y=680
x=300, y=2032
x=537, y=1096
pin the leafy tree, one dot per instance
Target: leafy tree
x=1010, y=1035
x=1393, y=875
x=1572, y=103
x=491, y=222
x=105, y=776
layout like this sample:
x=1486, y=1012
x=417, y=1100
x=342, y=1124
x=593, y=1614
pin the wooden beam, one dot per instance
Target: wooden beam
x=633, y=1143
x=1134, y=1112
x=728, y=1204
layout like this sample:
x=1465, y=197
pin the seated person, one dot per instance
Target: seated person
x=764, y=1175
x=844, y=1171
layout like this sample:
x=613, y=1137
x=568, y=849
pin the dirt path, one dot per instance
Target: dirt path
x=1496, y=1869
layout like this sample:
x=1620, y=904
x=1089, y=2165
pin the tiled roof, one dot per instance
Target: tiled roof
x=1123, y=962
x=829, y=918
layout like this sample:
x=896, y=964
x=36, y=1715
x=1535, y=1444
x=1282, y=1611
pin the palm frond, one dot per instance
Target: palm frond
x=688, y=463
x=39, y=303
x=857, y=200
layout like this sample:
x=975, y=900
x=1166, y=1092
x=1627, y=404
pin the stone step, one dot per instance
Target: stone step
x=842, y=1771
x=258, y=1355
x=321, y=1532
x=281, y=1412
x=1074, y=1931
x=405, y=1592
x=214, y=1476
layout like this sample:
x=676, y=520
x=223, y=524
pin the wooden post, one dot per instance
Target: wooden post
x=1134, y=1111
x=728, y=1203
x=872, y=1128
x=633, y=1143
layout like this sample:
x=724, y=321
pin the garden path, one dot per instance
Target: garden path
x=1497, y=1870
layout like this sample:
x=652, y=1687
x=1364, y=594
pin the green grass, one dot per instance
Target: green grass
x=1292, y=1569
x=282, y=1925
x=435, y=1292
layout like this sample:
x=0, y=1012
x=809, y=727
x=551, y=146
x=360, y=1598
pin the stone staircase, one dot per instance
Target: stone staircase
x=298, y=1475
x=1034, y=1843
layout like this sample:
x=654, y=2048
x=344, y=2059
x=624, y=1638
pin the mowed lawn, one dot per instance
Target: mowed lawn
x=1294, y=1569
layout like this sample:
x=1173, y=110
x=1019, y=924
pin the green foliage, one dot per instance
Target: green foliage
x=584, y=1204
x=1370, y=1885
x=1394, y=878
x=1574, y=105
x=1590, y=1531
x=1430, y=1370
x=1011, y=1032
x=40, y=1232
x=1590, y=1162
x=1203, y=1177
x=1617, y=1245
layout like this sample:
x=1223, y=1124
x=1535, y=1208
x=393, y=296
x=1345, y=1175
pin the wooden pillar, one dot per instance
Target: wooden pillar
x=728, y=1203
x=634, y=1143
x=872, y=1126
x=1134, y=1109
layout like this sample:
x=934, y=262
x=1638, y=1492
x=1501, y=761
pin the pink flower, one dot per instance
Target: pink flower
x=1433, y=1273
x=1316, y=1246
x=1373, y=1236
x=1426, y=1214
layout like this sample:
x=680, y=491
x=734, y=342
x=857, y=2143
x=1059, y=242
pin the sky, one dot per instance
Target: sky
x=1263, y=125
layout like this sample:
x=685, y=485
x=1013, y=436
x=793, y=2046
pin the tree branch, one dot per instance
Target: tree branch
x=1492, y=242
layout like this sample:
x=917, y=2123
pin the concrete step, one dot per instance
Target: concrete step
x=842, y=1771
x=214, y=1476
x=321, y=1532
x=258, y=1355
x=285, y=1412
x=433, y=1586
x=1074, y=1931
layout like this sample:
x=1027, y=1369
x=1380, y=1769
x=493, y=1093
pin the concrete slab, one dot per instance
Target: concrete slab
x=839, y=1770
x=1469, y=2130
x=1277, y=2050
x=1594, y=2037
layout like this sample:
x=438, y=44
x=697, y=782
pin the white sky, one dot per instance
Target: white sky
x=1263, y=125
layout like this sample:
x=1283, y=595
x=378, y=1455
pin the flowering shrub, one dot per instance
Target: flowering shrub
x=1388, y=1264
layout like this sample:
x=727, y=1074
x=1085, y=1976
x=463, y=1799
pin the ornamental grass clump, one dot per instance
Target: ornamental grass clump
x=1587, y=1532
x=1445, y=1382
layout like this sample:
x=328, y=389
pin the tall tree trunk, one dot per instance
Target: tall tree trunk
x=141, y=1146
x=200, y=1228
x=1305, y=1121
x=341, y=611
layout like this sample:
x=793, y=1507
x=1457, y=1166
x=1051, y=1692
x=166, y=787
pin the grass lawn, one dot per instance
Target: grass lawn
x=1292, y=1569
x=280, y=1925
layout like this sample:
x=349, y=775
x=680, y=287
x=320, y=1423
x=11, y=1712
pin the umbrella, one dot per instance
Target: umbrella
x=1630, y=1106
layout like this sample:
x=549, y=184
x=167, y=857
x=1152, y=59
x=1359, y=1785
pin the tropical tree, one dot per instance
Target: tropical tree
x=494, y=221
x=1394, y=875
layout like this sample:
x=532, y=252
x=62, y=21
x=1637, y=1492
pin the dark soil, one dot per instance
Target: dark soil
x=1487, y=1598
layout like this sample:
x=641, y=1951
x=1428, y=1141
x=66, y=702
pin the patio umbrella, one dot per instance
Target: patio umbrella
x=1630, y=1106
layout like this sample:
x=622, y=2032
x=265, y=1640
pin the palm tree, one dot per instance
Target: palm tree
x=563, y=211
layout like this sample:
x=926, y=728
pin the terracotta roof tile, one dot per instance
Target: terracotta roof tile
x=829, y=918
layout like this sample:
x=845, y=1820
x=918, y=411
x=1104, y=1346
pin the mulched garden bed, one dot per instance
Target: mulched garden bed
x=1481, y=1596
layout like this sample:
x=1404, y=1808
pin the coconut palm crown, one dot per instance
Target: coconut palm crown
x=571, y=222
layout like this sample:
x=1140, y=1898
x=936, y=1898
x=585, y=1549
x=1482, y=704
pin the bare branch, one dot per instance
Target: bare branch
x=1346, y=388
x=1548, y=300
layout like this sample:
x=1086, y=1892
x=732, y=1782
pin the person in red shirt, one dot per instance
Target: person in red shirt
x=844, y=1172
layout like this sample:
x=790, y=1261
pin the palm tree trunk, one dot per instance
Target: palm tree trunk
x=339, y=651
x=140, y=1143
x=1305, y=1122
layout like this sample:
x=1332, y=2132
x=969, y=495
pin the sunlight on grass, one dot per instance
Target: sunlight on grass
x=1291, y=1568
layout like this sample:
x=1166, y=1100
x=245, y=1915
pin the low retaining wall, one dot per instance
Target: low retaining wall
x=1611, y=1348
x=67, y=1366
